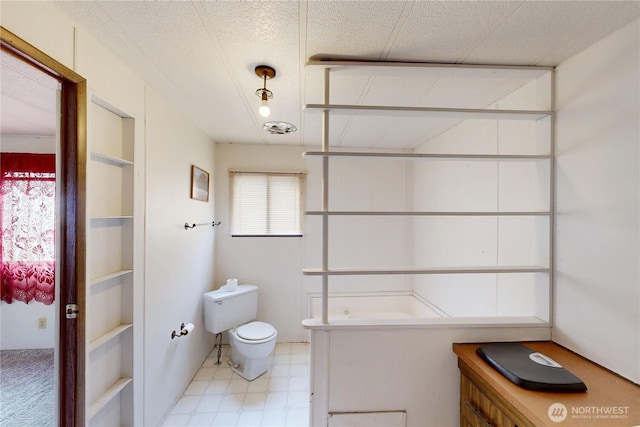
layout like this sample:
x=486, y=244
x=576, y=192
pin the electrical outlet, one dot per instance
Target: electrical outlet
x=42, y=323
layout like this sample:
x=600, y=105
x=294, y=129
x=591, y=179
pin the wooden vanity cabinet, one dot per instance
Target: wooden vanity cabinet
x=487, y=399
x=480, y=406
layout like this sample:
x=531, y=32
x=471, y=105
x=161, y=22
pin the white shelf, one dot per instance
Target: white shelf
x=95, y=155
x=409, y=213
x=433, y=270
x=108, y=395
x=529, y=71
x=101, y=279
x=432, y=112
x=110, y=335
x=429, y=156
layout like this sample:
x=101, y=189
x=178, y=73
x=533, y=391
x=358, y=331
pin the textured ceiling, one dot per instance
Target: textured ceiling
x=201, y=55
x=28, y=98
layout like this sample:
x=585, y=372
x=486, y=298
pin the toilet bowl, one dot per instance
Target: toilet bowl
x=251, y=341
x=251, y=345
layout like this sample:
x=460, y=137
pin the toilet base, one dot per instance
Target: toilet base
x=247, y=368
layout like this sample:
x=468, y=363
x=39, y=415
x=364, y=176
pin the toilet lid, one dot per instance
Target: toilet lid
x=255, y=331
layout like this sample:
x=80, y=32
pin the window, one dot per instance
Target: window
x=266, y=203
x=27, y=222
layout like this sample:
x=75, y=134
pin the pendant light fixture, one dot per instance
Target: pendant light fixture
x=264, y=72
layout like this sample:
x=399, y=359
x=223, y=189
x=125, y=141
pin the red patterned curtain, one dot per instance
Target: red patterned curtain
x=27, y=204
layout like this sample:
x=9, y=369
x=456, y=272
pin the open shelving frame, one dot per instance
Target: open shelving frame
x=326, y=108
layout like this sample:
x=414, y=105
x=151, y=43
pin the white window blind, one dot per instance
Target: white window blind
x=266, y=203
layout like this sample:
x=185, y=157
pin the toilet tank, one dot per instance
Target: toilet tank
x=226, y=310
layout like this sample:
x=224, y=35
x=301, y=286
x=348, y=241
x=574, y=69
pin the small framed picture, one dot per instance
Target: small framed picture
x=199, y=184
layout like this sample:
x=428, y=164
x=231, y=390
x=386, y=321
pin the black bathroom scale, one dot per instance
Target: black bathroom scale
x=528, y=368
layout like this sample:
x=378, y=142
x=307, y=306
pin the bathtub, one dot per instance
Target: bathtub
x=374, y=306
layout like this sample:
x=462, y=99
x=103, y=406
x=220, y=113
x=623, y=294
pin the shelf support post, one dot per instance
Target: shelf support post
x=325, y=199
x=552, y=200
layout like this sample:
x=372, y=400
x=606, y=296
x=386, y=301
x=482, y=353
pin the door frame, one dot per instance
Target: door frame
x=71, y=278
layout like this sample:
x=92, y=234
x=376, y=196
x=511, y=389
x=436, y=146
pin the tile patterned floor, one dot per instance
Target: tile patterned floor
x=217, y=396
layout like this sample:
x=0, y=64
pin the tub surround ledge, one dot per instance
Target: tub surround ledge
x=448, y=322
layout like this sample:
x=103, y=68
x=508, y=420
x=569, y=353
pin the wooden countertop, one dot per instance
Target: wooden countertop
x=609, y=401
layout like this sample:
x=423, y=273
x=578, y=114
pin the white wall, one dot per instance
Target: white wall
x=412, y=369
x=472, y=185
x=178, y=265
x=27, y=144
x=19, y=325
x=111, y=82
x=274, y=264
x=597, y=290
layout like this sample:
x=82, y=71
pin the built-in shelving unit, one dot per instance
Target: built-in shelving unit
x=110, y=295
x=328, y=109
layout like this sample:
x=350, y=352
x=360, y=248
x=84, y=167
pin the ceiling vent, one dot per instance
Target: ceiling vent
x=279, y=128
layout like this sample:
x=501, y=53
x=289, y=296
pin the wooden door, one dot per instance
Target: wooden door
x=72, y=234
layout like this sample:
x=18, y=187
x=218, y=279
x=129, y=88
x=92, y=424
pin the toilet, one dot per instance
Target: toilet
x=251, y=341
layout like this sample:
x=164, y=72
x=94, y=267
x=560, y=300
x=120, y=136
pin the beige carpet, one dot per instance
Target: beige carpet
x=26, y=388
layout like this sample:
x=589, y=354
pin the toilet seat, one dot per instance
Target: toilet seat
x=255, y=331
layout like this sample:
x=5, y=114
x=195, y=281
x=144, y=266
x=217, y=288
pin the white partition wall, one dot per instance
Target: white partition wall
x=458, y=210
x=597, y=295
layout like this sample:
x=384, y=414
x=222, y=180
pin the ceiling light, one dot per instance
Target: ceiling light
x=264, y=72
